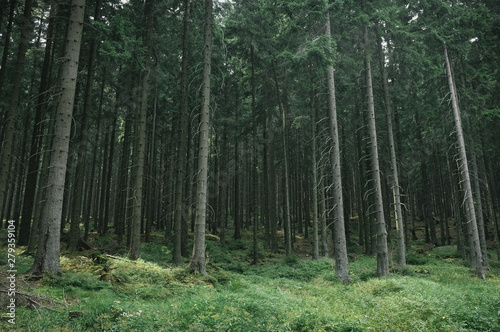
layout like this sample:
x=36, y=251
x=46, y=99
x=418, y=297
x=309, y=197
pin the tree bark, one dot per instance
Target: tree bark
x=479, y=205
x=288, y=228
x=74, y=230
x=183, y=142
x=315, y=187
x=324, y=237
x=273, y=211
x=394, y=164
x=47, y=256
x=340, y=246
x=253, y=166
x=382, y=251
x=141, y=143
x=138, y=181
x=198, y=263
x=475, y=247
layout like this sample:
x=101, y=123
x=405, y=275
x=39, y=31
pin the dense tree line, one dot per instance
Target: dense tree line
x=366, y=120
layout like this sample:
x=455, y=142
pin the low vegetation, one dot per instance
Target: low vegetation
x=101, y=292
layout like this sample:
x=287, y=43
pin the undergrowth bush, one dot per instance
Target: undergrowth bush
x=278, y=294
x=83, y=280
x=413, y=258
x=445, y=252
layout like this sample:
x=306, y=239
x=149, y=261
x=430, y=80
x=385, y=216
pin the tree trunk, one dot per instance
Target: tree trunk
x=475, y=247
x=138, y=181
x=74, y=231
x=324, y=237
x=479, y=204
x=237, y=208
x=340, y=246
x=273, y=212
x=315, y=187
x=382, y=251
x=288, y=228
x=47, y=256
x=141, y=144
x=198, y=264
x=253, y=167
x=394, y=164
x=183, y=135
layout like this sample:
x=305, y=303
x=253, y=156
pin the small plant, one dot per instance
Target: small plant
x=291, y=259
x=416, y=259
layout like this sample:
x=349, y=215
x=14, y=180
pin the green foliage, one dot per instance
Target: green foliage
x=283, y=294
x=412, y=258
x=237, y=245
x=445, y=252
x=72, y=281
x=155, y=252
x=291, y=259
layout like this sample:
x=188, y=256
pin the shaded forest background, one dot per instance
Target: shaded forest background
x=274, y=165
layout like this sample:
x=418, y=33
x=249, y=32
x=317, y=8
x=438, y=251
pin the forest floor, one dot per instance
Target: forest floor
x=101, y=290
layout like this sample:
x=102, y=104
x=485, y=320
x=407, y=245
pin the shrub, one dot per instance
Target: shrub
x=291, y=259
x=445, y=252
x=416, y=259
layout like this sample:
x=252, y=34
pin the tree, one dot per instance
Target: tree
x=198, y=263
x=382, y=251
x=141, y=146
x=341, y=261
x=315, y=186
x=182, y=141
x=476, y=260
x=47, y=256
x=78, y=193
x=394, y=164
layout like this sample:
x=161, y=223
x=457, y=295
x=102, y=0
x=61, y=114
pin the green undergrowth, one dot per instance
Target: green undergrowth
x=99, y=292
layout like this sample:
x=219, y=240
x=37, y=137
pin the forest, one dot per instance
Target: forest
x=250, y=165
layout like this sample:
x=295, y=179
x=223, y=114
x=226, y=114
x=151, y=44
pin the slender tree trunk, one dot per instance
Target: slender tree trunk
x=479, y=204
x=47, y=256
x=273, y=211
x=324, y=237
x=74, y=231
x=265, y=186
x=382, y=251
x=183, y=142
x=141, y=145
x=151, y=206
x=288, y=228
x=108, y=190
x=237, y=208
x=253, y=169
x=394, y=164
x=340, y=246
x=138, y=182
x=315, y=187
x=475, y=247
x=198, y=264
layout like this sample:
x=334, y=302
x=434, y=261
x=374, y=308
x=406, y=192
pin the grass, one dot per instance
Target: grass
x=435, y=293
